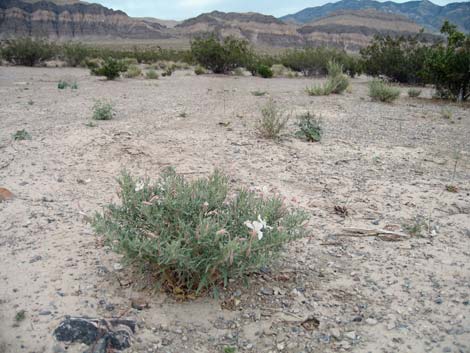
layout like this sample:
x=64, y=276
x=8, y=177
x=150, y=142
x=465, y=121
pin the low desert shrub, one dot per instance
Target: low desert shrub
x=110, y=68
x=133, y=71
x=336, y=82
x=21, y=135
x=151, y=74
x=381, y=91
x=62, y=84
x=169, y=71
x=447, y=113
x=194, y=235
x=272, y=121
x=309, y=127
x=259, y=93
x=414, y=92
x=74, y=54
x=199, y=70
x=264, y=71
x=28, y=51
x=103, y=110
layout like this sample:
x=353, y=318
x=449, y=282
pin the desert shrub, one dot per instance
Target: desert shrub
x=447, y=65
x=220, y=57
x=414, y=92
x=151, y=74
x=74, y=85
x=447, y=113
x=74, y=54
x=103, y=110
x=259, y=93
x=199, y=70
x=380, y=91
x=336, y=82
x=21, y=135
x=92, y=64
x=309, y=127
x=193, y=235
x=400, y=59
x=62, y=84
x=264, y=71
x=28, y=51
x=110, y=68
x=169, y=70
x=133, y=71
x=272, y=121
x=314, y=61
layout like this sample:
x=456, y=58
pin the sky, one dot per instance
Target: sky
x=183, y=9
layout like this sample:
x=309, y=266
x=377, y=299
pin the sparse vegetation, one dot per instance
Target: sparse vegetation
x=192, y=235
x=199, y=70
x=20, y=316
x=151, y=74
x=62, y=84
x=414, y=92
x=259, y=93
x=446, y=113
x=21, y=135
x=110, y=68
x=28, y=51
x=133, y=71
x=264, y=71
x=336, y=82
x=381, y=91
x=220, y=57
x=309, y=127
x=272, y=121
x=103, y=110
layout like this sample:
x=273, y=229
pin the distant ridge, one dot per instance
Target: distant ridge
x=424, y=12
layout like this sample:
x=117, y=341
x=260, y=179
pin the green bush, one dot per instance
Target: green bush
x=27, y=51
x=337, y=82
x=380, y=91
x=264, y=71
x=314, y=61
x=110, y=68
x=192, y=235
x=220, y=57
x=133, y=71
x=414, y=92
x=21, y=135
x=62, y=84
x=103, y=110
x=272, y=121
x=309, y=128
x=169, y=70
x=447, y=65
x=151, y=74
x=74, y=54
x=400, y=59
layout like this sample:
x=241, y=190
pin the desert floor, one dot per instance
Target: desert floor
x=387, y=164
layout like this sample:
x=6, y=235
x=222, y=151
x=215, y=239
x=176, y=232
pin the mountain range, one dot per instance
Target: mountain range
x=347, y=24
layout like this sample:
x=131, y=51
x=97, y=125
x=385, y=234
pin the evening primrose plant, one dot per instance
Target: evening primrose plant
x=196, y=235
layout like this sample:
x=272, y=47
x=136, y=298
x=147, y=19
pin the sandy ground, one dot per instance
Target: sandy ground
x=388, y=164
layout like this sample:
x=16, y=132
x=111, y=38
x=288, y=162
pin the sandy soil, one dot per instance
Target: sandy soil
x=388, y=164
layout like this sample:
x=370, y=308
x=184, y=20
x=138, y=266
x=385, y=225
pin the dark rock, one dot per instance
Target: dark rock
x=35, y=259
x=45, y=312
x=103, y=334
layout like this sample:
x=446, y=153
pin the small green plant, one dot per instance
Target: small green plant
x=133, y=71
x=90, y=124
x=199, y=70
x=103, y=110
x=336, y=82
x=74, y=85
x=183, y=115
x=21, y=135
x=414, y=92
x=62, y=84
x=195, y=235
x=259, y=93
x=380, y=91
x=446, y=113
x=416, y=227
x=229, y=349
x=151, y=74
x=309, y=127
x=272, y=121
x=110, y=68
x=264, y=71
x=20, y=316
x=30, y=102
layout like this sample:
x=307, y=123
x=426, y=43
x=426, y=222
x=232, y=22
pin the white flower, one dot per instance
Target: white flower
x=257, y=226
x=139, y=186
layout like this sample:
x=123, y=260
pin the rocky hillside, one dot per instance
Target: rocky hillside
x=71, y=19
x=424, y=13
x=353, y=30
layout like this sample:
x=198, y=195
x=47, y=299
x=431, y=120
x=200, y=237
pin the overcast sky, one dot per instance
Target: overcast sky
x=182, y=9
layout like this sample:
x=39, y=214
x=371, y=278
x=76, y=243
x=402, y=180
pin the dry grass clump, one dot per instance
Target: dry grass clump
x=383, y=92
x=273, y=121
